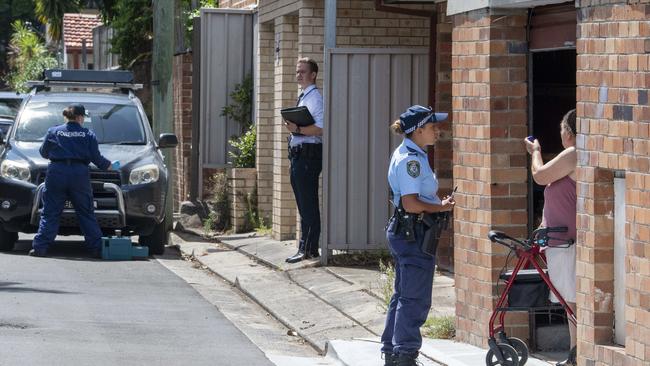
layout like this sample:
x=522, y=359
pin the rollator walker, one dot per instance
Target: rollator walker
x=511, y=351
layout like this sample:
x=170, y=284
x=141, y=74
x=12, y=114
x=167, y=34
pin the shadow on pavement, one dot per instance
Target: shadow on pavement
x=10, y=287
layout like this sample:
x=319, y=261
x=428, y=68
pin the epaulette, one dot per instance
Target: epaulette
x=412, y=151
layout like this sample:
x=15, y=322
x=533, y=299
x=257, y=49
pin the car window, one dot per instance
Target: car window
x=112, y=123
x=9, y=107
x=4, y=128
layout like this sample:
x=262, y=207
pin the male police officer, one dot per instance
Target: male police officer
x=70, y=147
x=306, y=155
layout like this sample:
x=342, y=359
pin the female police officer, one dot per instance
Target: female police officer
x=414, y=186
x=70, y=148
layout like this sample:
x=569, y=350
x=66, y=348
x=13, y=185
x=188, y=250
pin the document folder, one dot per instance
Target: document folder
x=298, y=115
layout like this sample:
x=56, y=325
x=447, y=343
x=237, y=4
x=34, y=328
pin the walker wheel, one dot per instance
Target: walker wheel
x=521, y=348
x=510, y=356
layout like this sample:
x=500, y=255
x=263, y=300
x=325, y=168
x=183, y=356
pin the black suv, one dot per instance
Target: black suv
x=131, y=198
x=9, y=104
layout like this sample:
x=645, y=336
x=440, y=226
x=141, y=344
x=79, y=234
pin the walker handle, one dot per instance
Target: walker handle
x=500, y=237
x=495, y=236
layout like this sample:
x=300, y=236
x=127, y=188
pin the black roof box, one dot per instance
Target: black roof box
x=90, y=76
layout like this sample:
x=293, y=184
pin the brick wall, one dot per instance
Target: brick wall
x=443, y=162
x=284, y=206
x=613, y=125
x=265, y=113
x=489, y=104
x=182, y=81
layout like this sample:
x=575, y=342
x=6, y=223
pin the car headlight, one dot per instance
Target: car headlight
x=145, y=174
x=11, y=169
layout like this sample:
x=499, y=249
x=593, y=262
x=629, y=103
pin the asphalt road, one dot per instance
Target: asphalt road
x=72, y=310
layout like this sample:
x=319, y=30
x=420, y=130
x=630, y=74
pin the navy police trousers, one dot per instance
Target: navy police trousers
x=67, y=182
x=409, y=307
x=304, y=181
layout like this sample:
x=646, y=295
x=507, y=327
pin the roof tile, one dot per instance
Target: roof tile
x=77, y=27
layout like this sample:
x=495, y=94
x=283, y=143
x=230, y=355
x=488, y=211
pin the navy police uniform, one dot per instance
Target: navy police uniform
x=70, y=148
x=409, y=173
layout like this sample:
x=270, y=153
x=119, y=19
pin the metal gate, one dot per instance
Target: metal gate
x=366, y=89
x=226, y=58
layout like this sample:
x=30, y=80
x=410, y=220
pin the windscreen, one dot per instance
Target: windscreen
x=9, y=107
x=112, y=123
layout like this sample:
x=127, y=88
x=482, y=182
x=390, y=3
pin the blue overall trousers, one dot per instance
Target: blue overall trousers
x=409, y=307
x=67, y=181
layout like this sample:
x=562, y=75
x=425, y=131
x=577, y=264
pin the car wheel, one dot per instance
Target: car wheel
x=7, y=240
x=158, y=239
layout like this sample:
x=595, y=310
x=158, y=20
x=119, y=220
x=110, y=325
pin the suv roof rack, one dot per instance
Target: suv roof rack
x=86, y=79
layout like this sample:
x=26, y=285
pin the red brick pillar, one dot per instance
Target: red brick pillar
x=489, y=103
x=182, y=81
x=443, y=151
x=613, y=113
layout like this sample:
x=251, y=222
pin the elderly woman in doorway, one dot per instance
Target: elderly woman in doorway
x=559, y=177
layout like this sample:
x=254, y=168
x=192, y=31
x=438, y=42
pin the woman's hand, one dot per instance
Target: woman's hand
x=532, y=146
x=448, y=203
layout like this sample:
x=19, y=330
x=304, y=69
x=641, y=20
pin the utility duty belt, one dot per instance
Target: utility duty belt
x=306, y=151
x=70, y=161
x=406, y=224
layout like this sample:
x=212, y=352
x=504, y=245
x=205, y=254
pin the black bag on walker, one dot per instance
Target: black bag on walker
x=529, y=289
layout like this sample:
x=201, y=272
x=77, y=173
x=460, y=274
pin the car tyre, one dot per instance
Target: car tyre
x=7, y=240
x=157, y=240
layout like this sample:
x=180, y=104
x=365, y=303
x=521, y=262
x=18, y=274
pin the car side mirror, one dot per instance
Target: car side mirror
x=167, y=140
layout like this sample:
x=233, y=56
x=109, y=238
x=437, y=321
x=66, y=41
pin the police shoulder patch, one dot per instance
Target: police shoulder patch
x=413, y=168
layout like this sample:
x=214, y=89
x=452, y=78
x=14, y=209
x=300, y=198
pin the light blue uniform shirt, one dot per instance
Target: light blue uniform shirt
x=313, y=100
x=409, y=173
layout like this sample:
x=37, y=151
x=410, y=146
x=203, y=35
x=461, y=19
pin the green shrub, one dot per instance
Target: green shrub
x=30, y=57
x=243, y=154
x=263, y=228
x=241, y=107
x=387, y=283
x=441, y=327
x=219, y=216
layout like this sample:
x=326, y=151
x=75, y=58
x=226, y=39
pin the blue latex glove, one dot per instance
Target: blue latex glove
x=115, y=165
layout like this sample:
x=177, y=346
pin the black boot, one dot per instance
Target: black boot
x=571, y=360
x=390, y=359
x=408, y=360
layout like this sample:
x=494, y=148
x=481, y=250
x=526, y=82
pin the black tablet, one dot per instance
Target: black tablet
x=298, y=115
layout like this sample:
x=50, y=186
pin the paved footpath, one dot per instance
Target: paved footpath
x=337, y=310
x=69, y=310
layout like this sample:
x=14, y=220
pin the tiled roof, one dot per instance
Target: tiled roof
x=77, y=27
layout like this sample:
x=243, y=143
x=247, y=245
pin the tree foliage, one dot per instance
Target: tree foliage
x=132, y=23
x=10, y=11
x=29, y=57
x=51, y=12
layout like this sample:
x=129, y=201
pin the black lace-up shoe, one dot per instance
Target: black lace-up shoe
x=390, y=359
x=37, y=253
x=408, y=360
x=95, y=253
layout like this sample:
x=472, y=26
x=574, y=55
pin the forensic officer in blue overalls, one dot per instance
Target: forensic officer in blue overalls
x=70, y=148
x=413, y=232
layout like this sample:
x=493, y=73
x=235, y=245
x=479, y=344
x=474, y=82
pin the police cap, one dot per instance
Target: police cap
x=417, y=116
x=78, y=109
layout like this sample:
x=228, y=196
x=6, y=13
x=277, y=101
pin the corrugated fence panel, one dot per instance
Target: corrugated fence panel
x=337, y=163
x=226, y=59
x=102, y=58
x=368, y=89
